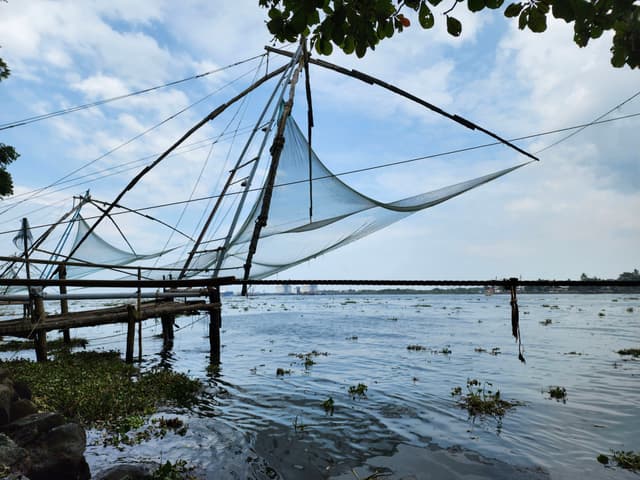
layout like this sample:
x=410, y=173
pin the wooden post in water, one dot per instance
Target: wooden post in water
x=168, y=320
x=131, y=332
x=139, y=318
x=215, y=322
x=40, y=337
x=64, y=303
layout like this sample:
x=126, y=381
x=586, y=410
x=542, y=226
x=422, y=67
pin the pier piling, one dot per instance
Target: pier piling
x=131, y=332
x=64, y=303
x=39, y=336
x=215, y=322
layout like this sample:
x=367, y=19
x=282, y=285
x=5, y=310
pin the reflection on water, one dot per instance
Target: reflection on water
x=256, y=424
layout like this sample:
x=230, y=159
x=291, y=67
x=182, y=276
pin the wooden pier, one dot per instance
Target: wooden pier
x=170, y=303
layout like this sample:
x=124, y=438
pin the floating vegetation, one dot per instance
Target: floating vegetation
x=494, y=350
x=634, y=352
x=445, y=351
x=180, y=470
x=558, y=393
x=628, y=460
x=298, y=426
x=480, y=401
x=353, y=337
x=394, y=319
x=422, y=305
x=158, y=428
x=630, y=309
x=329, y=406
x=573, y=353
x=347, y=302
x=99, y=390
x=601, y=314
x=546, y=322
x=281, y=372
x=359, y=390
x=416, y=348
x=53, y=345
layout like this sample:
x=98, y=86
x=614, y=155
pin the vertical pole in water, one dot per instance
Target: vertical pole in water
x=40, y=337
x=215, y=322
x=139, y=318
x=64, y=303
x=168, y=320
x=131, y=332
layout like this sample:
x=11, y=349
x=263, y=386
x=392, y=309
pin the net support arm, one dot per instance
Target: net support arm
x=376, y=81
x=213, y=114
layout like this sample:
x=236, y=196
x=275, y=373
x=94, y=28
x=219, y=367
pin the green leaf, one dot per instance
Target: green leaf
x=361, y=49
x=326, y=46
x=563, y=9
x=435, y=3
x=349, y=45
x=523, y=19
x=425, y=16
x=494, y=4
x=618, y=57
x=274, y=13
x=388, y=29
x=475, y=5
x=454, y=27
x=513, y=10
x=537, y=21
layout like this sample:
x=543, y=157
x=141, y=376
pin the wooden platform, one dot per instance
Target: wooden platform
x=89, y=318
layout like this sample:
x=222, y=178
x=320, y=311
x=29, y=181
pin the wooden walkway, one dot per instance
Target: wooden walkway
x=22, y=327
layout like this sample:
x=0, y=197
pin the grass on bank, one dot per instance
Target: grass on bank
x=52, y=345
x=99, y=390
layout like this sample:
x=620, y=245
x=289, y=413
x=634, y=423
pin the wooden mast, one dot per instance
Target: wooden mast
x=276, y=150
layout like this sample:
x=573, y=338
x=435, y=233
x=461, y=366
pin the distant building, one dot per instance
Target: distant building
x=283, y=289
x=308, y=289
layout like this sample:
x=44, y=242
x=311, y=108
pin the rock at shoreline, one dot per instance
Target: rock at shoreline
x=38, y=446
x=126, y=472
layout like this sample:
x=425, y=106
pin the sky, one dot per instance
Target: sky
x=575, y=211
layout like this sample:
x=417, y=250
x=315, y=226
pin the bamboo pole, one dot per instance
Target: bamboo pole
x=215, y=322
x=131, y=332
x=138, y=305
x=64, y=303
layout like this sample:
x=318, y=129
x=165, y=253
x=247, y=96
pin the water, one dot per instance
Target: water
x=255, y=424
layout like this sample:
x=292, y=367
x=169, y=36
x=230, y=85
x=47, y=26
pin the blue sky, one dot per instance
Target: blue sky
x=575, y=211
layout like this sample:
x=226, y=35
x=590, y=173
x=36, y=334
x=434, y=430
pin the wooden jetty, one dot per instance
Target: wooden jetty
x=172, y=302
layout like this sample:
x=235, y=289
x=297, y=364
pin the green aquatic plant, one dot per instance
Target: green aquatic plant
x=298, y=426
x=601, y=314
x=445, y=351
x=546, y=321
x=158, y=428
x=359, y=390
x=480, y=401
x=634, y=352
x=558, y=393
x=628, y=460
x=630, y=309
x=329, y=406
x=416, y=348
x=180, y=470
x=52, y=345
x=281, y=372
x=99, y=390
